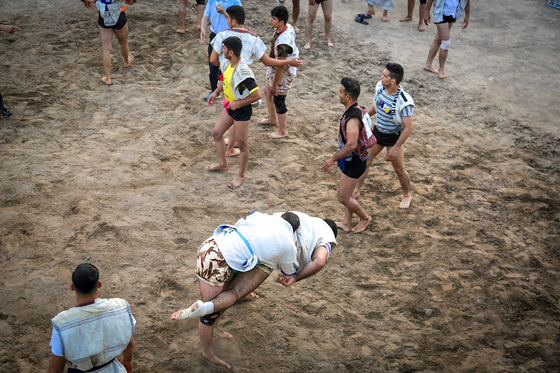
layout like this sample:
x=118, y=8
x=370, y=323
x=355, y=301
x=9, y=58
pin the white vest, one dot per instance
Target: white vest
x=95, y=334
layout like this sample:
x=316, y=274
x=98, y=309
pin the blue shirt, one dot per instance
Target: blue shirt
x=218, y=22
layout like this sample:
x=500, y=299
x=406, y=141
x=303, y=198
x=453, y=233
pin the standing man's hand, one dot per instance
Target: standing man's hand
x=328, y=164
x=465, y=22
x=9, y=29
x=88, y=3
x=127, y=365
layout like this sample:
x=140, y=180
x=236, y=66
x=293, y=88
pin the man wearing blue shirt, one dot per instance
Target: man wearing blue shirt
x=218, y=23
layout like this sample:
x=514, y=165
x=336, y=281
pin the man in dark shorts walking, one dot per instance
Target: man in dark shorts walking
x=393, y=124
x=112, y=20
x=446, y=12
x=351, y=156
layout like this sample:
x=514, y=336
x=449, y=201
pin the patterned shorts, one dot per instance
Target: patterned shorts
x=285, y=82
x=211, y=267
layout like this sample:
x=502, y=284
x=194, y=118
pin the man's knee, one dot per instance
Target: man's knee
x=445, y=44
x=210, y=319
x=328, y=18
x=241, y=144
x=280, y=104
x=217, y=134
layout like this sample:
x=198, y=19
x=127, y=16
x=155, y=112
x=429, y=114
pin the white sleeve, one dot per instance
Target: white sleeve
x=56, y=343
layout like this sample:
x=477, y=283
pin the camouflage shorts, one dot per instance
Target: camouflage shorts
x=211, y=267
x=285, y=82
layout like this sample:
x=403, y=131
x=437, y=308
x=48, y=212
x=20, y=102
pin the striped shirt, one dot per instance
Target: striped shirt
x=253, y=46
x=385, y=109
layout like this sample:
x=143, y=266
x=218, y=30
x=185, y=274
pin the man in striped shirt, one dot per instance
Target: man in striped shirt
x=393, y=125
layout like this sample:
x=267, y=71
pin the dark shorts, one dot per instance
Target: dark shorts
x=385, y=139
x=241, y=114
x=200, y=2
x=446, y=19
x=353, y=168
x=119, y=25
x=423, y=1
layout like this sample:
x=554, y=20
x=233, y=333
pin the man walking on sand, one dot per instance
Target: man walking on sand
x=446, y=12
x=393, y=125
x=90, y=336
x=200, y=5
x=240, y=90
x=112, y=20
x=421, y=13
x=351, y=156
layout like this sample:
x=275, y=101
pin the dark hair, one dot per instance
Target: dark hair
x=280, y=12
x=351, y=87
x=396, y=71
x=85, y=278
x=291, y=218
x=234, y=44
x=333, y=226
x=236, y=12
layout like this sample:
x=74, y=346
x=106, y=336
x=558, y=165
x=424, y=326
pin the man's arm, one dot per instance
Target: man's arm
x=220, y=9
x=428, y=12
x=214, y=60
x=56, y=365
x=129, y=2
x=352, y=135
x=269, y=61
x=372, y=111
x=319, y=259
x=392, y=153
x=467, y=13
x=254, y=96
x=203, y=25
x=9, y=28
x=126, y=360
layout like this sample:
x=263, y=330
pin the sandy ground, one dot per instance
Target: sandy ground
x=467, y=279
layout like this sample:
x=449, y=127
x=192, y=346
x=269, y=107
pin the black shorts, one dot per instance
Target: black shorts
x=446, y=19
x=121, y=22
x=385, y=139
x=241, y=114
x=200, y=2
x=353, y=168
x=423, y=1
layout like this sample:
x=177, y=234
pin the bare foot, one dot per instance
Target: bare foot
x=344, y=227
x=252, y=296
x=329, y=43
x=307, y=45
x=181, y=31
x=278, y=135
x=221, y=333
x=267, y=121
x=385, y=19
x=441, y=74
x=214, y=360
x=106, y=80
x=233, y=152
x=296, y=29
x=217, y=167
x=405, y=203
x=405, y=19
x=130, y=59
x=235, y=183
x=421, y=26
x=557, y=138
x=362, y=225
x=372, y=13
x=430, y=69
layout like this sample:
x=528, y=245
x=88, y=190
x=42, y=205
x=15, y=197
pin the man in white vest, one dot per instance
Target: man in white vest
x=314, y=239
x=90, y=336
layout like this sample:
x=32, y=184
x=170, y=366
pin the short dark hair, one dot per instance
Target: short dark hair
x=396, y=71
x=234, y=44
x=85, y=278
x=333, y=226
x=236, y=12
x=351, y=87
x=291, y=218
x=280, y=12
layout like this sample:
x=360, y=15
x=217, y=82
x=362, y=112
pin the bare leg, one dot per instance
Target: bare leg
x=421, y=13
x=311, y=14
x=370, y=11
x=106, y=36
x=242, y=135
x=122, y=37
x=404, y=178
x=385, y=16
x=446, y=35
x=231, y=151
x=442, y=34
x=272, y=118
x=182, y=16
x=222, y=124
x=295, y=15
x=327, y=6
x=346, y=197
x=372, y=153
x=410, y=9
